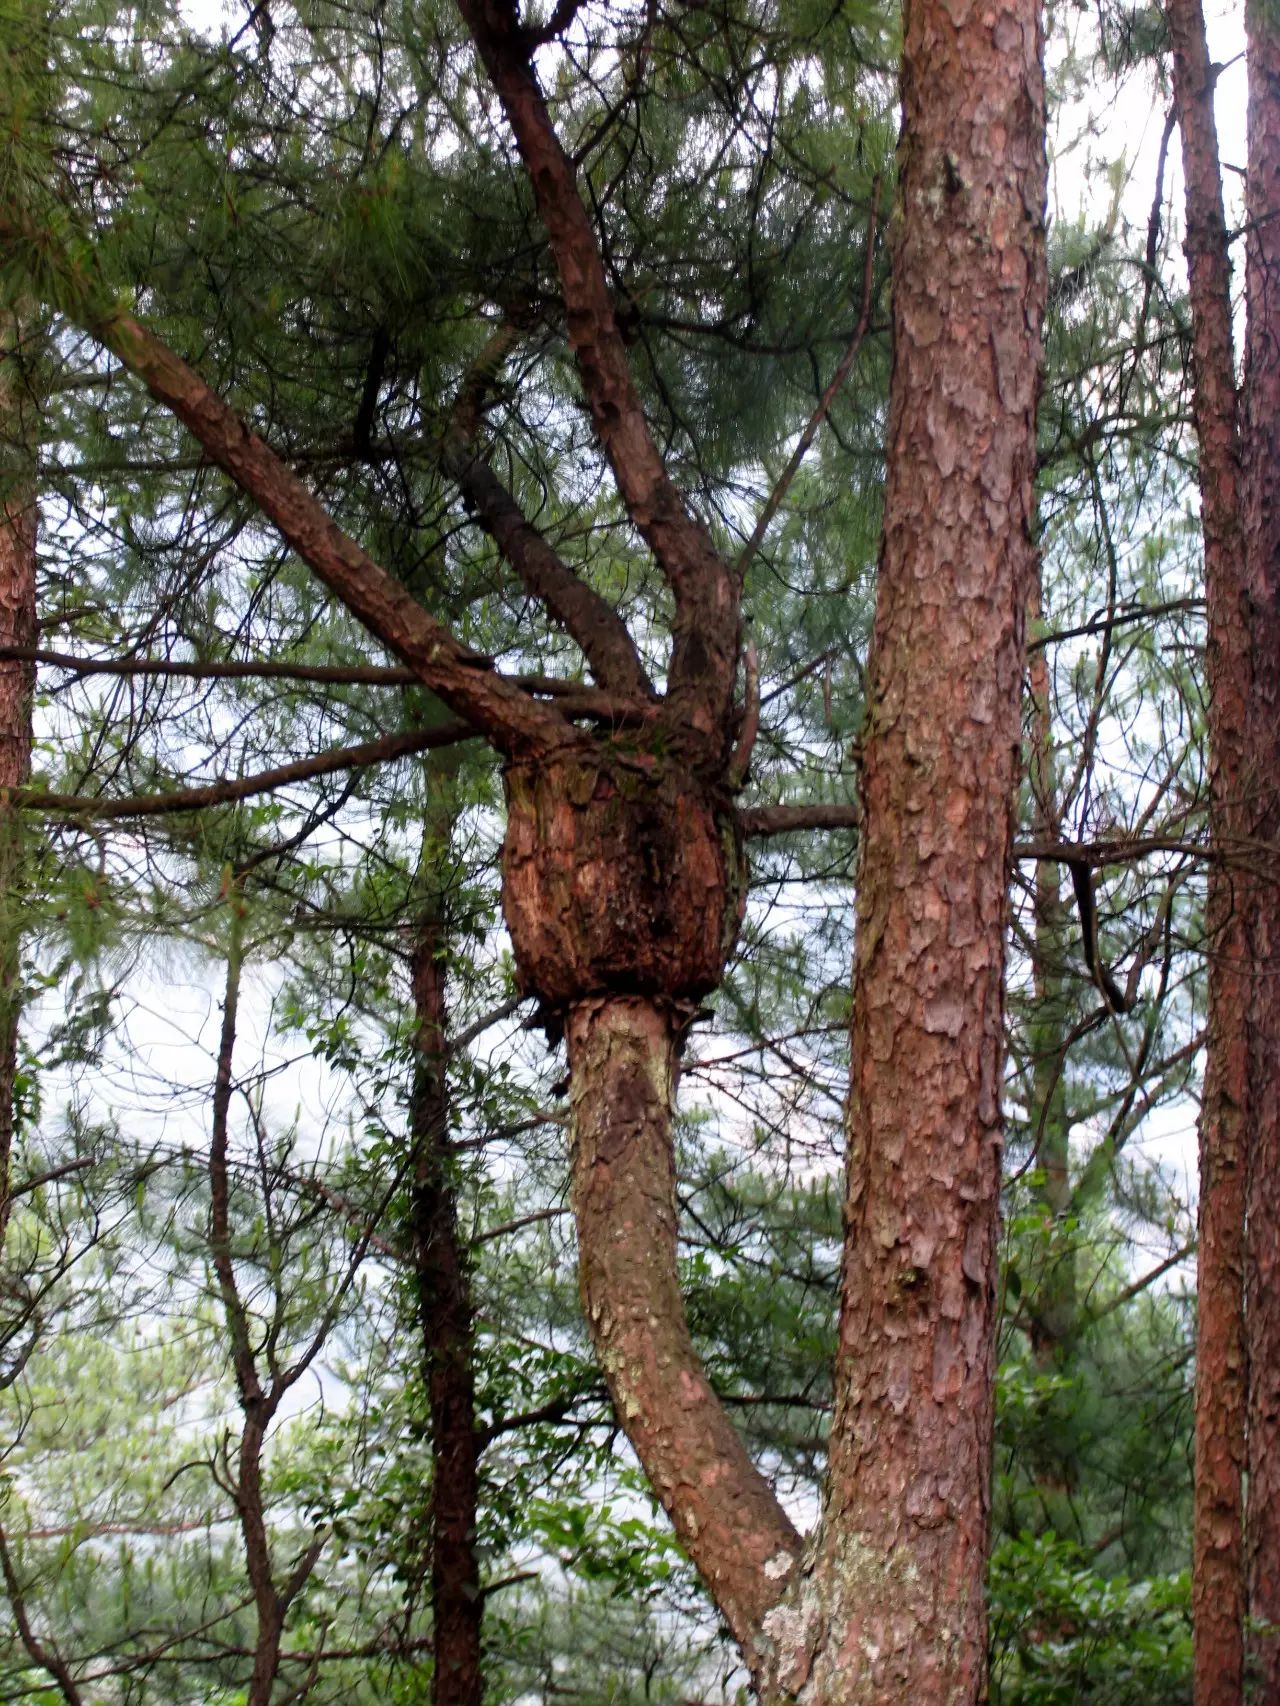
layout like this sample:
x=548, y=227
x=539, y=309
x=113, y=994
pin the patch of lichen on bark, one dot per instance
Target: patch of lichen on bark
x=821, y=1647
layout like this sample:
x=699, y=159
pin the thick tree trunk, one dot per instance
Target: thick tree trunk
x=18, y=522
x=444, y=1301
x=894, y=1605
x=1262, y=547
x=1221, y=1369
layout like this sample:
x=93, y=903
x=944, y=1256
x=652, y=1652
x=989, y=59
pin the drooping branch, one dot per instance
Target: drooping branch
x=1087, y=907
x=705, y=637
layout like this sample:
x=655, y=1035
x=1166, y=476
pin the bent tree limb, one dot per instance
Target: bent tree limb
x=1218, y=1576
x=622, y=1054
x=466, y=682
x=588, y=619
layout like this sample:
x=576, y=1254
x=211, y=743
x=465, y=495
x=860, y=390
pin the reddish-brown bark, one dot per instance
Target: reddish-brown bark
x=1218, y=1592
x=586, y=617
x=622, y=1053
x=621, y=874
x=894, y=1605
x=18, y=523
x=1262, y=548
x=444, y=1301
x=705, y=634
x=624, y=886
x=590, y=620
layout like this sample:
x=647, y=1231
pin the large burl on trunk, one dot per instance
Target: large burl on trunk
x=622, y=874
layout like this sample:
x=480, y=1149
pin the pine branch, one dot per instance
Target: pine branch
x=241, y=787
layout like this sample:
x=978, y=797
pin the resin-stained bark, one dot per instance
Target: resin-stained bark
x=18, y=522
x=1262, y=547
x=1218, y=1589
x=893, y=1610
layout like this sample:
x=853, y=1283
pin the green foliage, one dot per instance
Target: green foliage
x=1061, y=1633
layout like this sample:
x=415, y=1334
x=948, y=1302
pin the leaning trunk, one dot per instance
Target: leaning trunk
x=622, y=1055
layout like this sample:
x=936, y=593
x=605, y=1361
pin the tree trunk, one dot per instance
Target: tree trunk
x=1262, y=547
x=894, y=1605
x=1053, y=1306
x=1221, y=1370
x=622, y=1054
x=444, y=1300
x=18, y=523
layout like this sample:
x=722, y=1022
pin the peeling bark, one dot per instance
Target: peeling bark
x=620, y=874
x=623, y=891
x=1218, y=1583
x=892, y=1605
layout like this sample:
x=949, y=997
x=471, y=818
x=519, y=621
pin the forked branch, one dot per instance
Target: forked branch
x=705, y=650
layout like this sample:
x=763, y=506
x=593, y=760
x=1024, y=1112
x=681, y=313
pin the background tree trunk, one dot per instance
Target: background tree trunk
x=1262, y=547
x=444, y=1300
x=1218, y=1595
x=18, y=524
